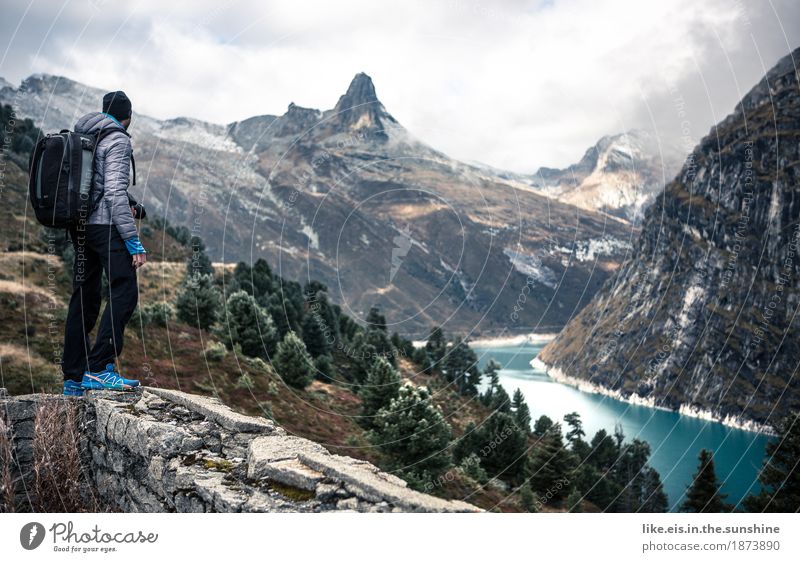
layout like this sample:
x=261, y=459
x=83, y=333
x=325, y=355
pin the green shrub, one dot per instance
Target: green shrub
x=292, y=362
x=199, y=303
x=153, y=314
x=248, y=325
x=413, y=432
x=323, y=368
x=215, y=351
x=381, y=386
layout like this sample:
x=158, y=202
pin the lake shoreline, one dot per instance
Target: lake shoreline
x=512, y=341
x=686, y=410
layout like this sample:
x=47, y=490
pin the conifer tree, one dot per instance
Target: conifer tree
x=505, y=444
x=292, y=362
x=381, y=343
x=654, y=499
x=522, y=414
x=575, y=424
x=376, y=320
x=460, y=367
x=642, y=490
x=490, y=371
x=348, y=327
x=436, y=346
x=575, y=435
x=241, y=279
x=500, y=401
x=199, y=302
x=780, y=473
x=317, y=341
x=529, y=499
x=285, y=306
x=247, y=324
x=198, y=263
x=323, y=368
x=703, y=495
x=471, y=466
x=413, y=432
x=381, y=386
x=552, y=467
x=598, y=487
x=604, y=451
x=420, y=357
x=542, y=426
x=404, y=346
x=262, y=279
x=574, y=501
x=362, y=354
x=468, y=444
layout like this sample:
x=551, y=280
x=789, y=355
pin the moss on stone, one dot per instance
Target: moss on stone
x=222, y=465
x=291, y=492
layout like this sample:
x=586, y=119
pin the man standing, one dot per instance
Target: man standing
x=108, y=241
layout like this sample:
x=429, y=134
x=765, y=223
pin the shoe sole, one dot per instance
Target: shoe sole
x=100, y=385
x=121, y=388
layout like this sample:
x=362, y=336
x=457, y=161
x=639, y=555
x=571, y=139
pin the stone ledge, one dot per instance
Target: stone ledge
x=156, y=450
x=264, y=451
x=215, y=410
x=374, y=487
x=293, y=473
x=304, y=464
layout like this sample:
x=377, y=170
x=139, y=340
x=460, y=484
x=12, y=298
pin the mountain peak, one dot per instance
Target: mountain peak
x=359, y=107
x=360, y=92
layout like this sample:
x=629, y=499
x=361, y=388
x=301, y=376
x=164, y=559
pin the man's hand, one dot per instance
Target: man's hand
x=133, y=211
x=139, y=260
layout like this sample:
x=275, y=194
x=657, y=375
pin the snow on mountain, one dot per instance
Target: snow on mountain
x=621, y=175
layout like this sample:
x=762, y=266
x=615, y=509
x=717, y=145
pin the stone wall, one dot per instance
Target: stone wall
x=163, y=450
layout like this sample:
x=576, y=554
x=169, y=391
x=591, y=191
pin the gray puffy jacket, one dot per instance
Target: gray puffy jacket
x=112, y=173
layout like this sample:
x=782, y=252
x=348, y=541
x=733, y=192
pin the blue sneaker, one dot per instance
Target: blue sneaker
x=109, y=379
x=72, y=388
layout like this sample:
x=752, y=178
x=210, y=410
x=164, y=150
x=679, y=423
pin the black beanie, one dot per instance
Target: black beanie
x=117, y=105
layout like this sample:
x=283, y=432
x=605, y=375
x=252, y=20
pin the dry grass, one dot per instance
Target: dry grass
x=23, y=371
x=160, y=281
x=58, y=482
x=17, y=288
x=6, y=477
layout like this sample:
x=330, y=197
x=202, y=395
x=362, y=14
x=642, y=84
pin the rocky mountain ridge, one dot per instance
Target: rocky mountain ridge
x=621, y=174
x=326, y=194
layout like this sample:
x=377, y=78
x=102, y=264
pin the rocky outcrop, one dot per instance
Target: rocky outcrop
x=703, y=318
x=359, y=108
x=621, y=174
x=160, y=450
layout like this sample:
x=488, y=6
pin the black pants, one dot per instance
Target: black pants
x=98, y=248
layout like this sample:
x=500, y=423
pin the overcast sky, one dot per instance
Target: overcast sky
x=513, y=84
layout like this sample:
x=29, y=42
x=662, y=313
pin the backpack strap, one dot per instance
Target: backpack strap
x=133, y=165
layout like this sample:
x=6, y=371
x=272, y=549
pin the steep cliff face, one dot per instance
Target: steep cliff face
x=703, y=318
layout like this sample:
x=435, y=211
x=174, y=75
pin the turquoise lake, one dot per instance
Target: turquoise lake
x=675, y=440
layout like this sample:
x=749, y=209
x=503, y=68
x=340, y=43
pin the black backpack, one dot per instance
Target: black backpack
x=61, y=182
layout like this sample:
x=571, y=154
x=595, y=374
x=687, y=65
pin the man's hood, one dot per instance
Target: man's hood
x=96, y=122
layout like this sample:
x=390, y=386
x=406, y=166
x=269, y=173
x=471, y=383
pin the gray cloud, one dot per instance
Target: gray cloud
x=515, y=84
